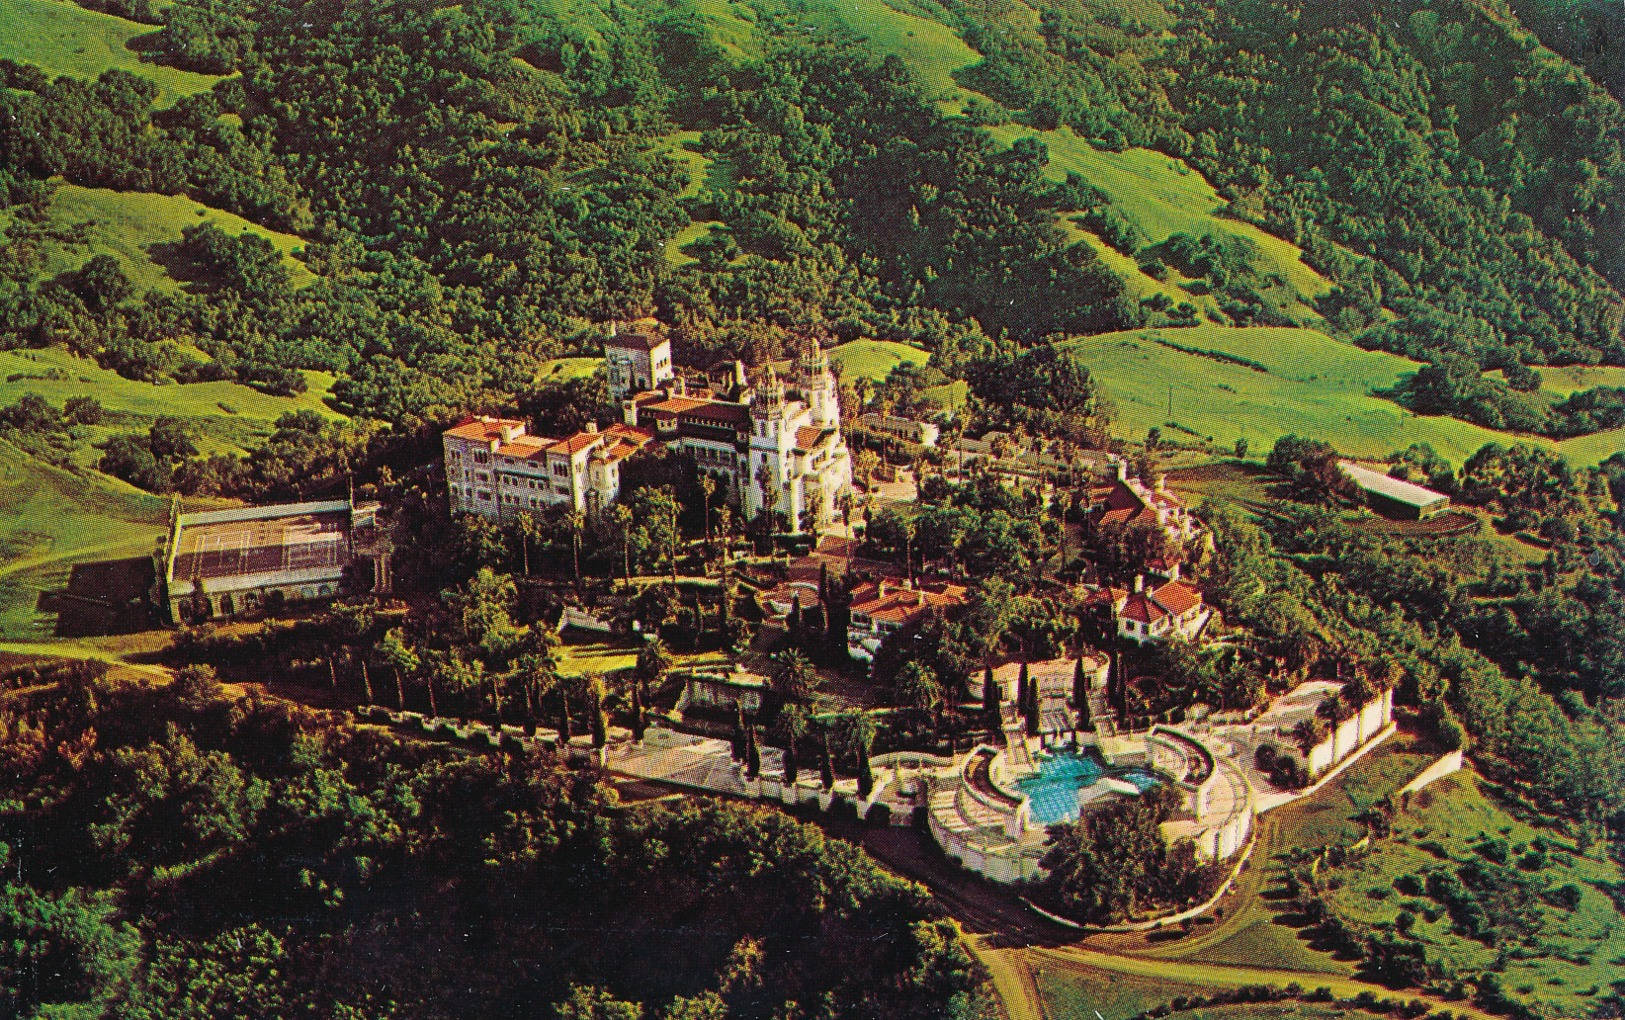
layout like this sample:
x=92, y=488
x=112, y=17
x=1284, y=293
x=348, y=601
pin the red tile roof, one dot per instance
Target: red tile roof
x=636, y=341
x=675, y=405
x=1177, y=597
x=525, y=447
x=899, y=604
x=576, y=443
x=808, y=436
x=1141, y=609
x=630, y=433
x=483, y=429
x=720, y=412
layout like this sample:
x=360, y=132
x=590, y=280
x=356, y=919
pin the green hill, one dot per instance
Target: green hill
x=60, y=37
x=51, y=519
x=874, y=359
x=1304, y=382
x=134, y=226
x=229, y=417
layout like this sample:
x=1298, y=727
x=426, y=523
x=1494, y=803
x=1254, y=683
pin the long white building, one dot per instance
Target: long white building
x=495, y=469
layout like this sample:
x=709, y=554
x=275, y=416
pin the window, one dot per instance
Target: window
x=481, y=457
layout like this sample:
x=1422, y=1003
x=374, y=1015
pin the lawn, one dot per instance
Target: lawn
x=227, y=416
x=1313, y=385
x=1557, y=959
x=1255, y=934
x=582, y=653
x=874, y=359
x=565, y=369
x=1164, y=196
x=131, y=225
x=50, y=519
x=1079, y=991
x=63, y=38
x=705, y=171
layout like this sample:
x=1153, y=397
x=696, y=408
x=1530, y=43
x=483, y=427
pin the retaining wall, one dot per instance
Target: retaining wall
x=1446, y=764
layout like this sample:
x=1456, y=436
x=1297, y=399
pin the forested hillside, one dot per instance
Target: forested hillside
x=501, y=176
x=185, y=853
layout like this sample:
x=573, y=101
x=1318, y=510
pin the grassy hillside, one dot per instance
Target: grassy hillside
x=1164, y=196
x=1310, y=384
x=64, y=38
x=932, y=51
x=229, y=417
x=51, y=519
x=565, y=369
x=134, y=227
x=705, y=172
x=874, y=359
x=1560, y=957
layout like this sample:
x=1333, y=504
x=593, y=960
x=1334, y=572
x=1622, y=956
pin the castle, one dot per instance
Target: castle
x=775, y=442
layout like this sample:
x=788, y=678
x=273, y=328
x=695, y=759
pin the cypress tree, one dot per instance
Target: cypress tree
x=1032, y=708
x=1080, y=685
x=790, y=762
x=640, y=725
x=1023, y=686
x=1085, y=722
x=826, y=767
x=753, y=754
x=798, y=636
x=564, y=719
x=990, y=696
x=600, y=723
x=866, y=776
x=738, y=741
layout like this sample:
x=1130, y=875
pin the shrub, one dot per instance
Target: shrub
x=1565, y=897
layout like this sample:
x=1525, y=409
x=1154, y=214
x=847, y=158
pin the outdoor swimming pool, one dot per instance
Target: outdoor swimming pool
x=1053, y=789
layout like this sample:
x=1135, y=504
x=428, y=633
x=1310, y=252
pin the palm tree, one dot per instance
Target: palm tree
x=576, y=519
x=395, y=650
x=859, y=730
x=530, y=527
x=675, y=537
x=623, y=524
x=909, y=529
x=353, y=623
x=708, y=486
x=536, y=663
x=792, y=727
x=919, y=688
x=595, y=707
x=795, y=679
x=725, y=528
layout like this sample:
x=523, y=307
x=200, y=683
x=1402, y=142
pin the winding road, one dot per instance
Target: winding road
x=1015, y=944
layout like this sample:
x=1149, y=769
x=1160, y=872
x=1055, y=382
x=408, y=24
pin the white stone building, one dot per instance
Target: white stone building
x=636, y=362
x=778, y=445
x=495, y=469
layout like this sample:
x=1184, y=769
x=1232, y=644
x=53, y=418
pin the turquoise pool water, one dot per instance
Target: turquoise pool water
x=1053, y=789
